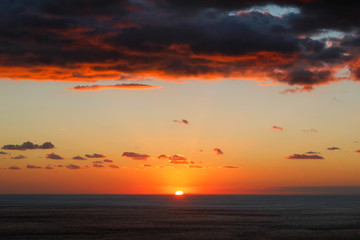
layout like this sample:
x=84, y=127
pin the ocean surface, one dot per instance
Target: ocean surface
x=180, y=217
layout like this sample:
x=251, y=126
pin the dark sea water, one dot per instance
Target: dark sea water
x=185, y=217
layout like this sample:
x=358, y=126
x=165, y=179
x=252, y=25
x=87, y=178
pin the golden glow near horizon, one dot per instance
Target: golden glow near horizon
x=179, y=193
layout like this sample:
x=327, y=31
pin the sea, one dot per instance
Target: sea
x=247, y=217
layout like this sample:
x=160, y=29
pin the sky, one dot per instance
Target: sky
x=155, y=96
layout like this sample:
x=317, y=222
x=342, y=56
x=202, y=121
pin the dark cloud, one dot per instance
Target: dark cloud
x=333, y=148
x=60, y=166
x=108, y=161
x=182, y=121
x=32, y=167
x=88, y=40
x=73, y=166
x=230, y=167
x=277, y=128
x=218, y=151
x=29, y=145
x=357, y=151
x=95, y=155
x=135, y=156
x=54, y=156
x=19, y=157
x=96, y=165
x=79, y=158
x=14, y=168
x=3, y=153
x=113, y=166
x=48, y=167
x=305, y=157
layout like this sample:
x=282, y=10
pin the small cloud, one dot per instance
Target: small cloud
x=230, y=167
x=311, y=152
x=195, y=166
x=310, y=130
x=60, y=166
x=32, y=166
x=72, y=166
x=183, y=121
x=297, y=90
x=113, y=166
x=97, y=162
x=192, y=162
x=178, y=159
x=175, y=159
x=116, y=86
x=95, y=155
x=18, y=157
x=14, y=168
x=79, y=158
x=147, y=165
x=3, y=153
x=29, y=145
x=163, y=156
x=304, y=156
x=48, y=167
x=98, y=165
x=54, y=156
x=135, y=156
x=218, y=151
x=277, y=128
x=108, y=161
x=333, y=148
x=357, y=151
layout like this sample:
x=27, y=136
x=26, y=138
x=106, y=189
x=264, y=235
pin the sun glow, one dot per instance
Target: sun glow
x=179, y=193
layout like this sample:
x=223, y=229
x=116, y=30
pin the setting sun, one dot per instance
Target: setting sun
x=179, y=193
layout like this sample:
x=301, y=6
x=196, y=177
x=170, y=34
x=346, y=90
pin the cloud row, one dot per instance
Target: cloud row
x=29, y=146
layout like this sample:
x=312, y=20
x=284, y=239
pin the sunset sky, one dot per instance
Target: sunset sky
x=155, y=96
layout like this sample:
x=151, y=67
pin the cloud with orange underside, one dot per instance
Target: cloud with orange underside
x=93, y=42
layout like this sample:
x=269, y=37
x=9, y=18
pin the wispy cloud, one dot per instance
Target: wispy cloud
x=333, y=148
x=312, y=130
x=183, y=121
x=113, y=166
x=116, y=86
x=218, y=151
x=231, y=167
x=96, y=165
x=277, y=128
x=18, y=157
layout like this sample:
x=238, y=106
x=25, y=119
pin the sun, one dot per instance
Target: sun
x=179, y=193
